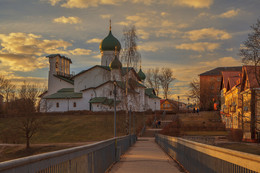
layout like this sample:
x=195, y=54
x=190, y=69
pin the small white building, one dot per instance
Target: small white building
x=93, y=89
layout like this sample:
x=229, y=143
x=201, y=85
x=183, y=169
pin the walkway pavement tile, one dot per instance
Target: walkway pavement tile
x=145, y=156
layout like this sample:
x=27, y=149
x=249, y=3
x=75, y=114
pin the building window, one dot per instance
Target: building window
x=111, y=93
x=97, y=105
x=163, y=105
x=74, y=104
x=57, y=104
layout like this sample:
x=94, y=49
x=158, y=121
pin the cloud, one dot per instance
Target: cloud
x=94, y=40
x=193, y=3
x=54, y=2
x=207, y=33
x=79, y=51
x=152, y=23
x=222, y=62
x=65, y=20
x=142, y=34
x=148, y=48
x=227, y=14
x=199, y=46
x=89, y=3
x=230, y=13
x=229, y=49
x=106, y=16
x=154, y=46
x=25, y=52
x=145, y=2
x=96, y=3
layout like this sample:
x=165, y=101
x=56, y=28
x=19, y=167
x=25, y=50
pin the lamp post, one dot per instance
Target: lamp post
x=114, y=108
x=178, y=103
x=188, y=104
x=130, y=120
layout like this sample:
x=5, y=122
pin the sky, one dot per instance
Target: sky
x=188, y=36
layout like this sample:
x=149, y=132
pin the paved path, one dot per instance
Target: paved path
x=145, y=156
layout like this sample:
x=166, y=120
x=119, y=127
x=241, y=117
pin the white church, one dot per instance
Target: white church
x=93, y=89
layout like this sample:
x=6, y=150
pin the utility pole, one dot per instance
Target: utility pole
x=178, y=104
x=114, y=108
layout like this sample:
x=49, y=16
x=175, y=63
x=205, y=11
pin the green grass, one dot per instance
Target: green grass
x=61, y=131
x=248, y=148
x=71, y=128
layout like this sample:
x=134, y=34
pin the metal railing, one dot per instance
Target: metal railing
x=199, y=158
x=96, y=157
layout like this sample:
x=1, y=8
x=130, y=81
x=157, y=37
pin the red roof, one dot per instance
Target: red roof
x=162, y=100
x=233, y=75
x=249, y=71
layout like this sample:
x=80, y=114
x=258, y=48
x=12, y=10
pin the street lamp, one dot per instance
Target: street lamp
x=114, y=108
x=178, y=103
x=188, y=104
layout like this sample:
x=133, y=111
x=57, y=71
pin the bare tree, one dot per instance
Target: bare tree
x=6, y=89
x=250, y=52
x=194, y=91
x=130, y=57
x=28, y=97
x=166, y=78
x=152, y=79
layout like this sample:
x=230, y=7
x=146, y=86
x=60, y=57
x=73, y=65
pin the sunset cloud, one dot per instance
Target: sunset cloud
x=79, y=51
x=199, y=47
x=207, y=33
x=230, y=13
x=89, y=3
x=227, y=14
x=152, y=23
x=94, y=40
x=193, y=3
x=105, y=16
x=24, y=52
x=65, y=20
x=54, y=2
x=222, y=62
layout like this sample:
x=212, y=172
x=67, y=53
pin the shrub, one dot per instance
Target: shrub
x=172, y=129
x=235, y=135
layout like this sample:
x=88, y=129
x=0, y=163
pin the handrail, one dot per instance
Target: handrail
x=198, y=157
x=44, y=161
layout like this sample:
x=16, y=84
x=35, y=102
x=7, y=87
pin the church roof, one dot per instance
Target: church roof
x=150, y=92
x=110, y=43
x=100, y=66
x=104, y=101
x=69, y=80
x=217, y=71
x=65, y=93
x=115, y=64
x=124, y=70
x=141, y=74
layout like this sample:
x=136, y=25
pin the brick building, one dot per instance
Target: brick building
x=210, y=84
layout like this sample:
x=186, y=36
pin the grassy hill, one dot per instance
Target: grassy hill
x=67, y=128
x=60, y=131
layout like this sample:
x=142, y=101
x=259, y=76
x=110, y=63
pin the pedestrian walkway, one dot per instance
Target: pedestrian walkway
x=145, y=156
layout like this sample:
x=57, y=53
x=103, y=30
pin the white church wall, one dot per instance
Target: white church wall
x=63, y=105
x=55, y=84
x=131, y=74
x=107, y=57
x=92, y=78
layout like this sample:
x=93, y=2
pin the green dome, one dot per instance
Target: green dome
x=109, y=43
x=115, y=64
x=141, y=75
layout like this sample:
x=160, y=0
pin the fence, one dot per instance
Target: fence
x=96, y=158
x=196, y=157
